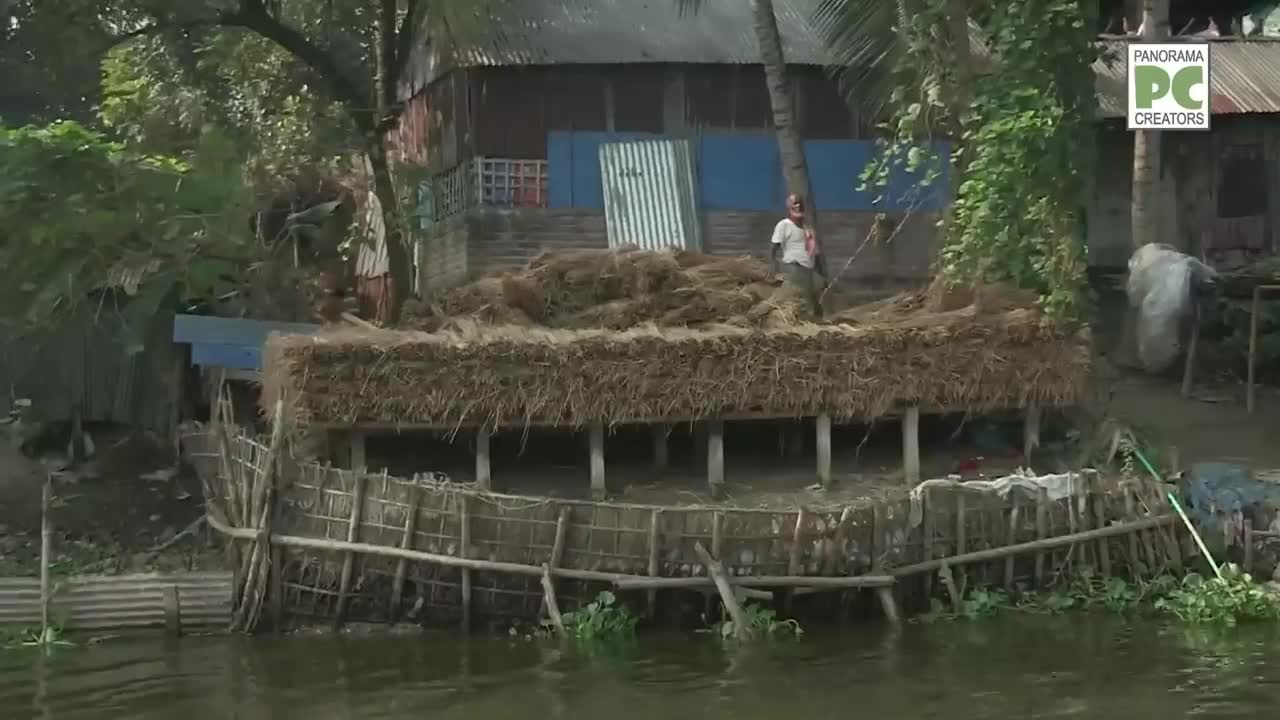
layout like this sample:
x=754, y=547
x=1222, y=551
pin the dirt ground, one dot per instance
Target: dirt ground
x=108, y=515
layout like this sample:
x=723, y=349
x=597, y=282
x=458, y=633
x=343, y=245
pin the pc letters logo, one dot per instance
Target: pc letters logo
x=1169, y=86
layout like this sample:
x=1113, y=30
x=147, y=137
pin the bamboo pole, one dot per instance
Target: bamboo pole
x=277, y=589
x=353, y=532
x=46, y=552
x=1137, y=568
x=557, y=545
x=1042, y=532
x=655, y=523
x=1097, y=501
x=1011, y=539
x=465, y=551
x=832, y=562
x=961, y=534
x=884, y=593
x=1248, y=545
x=949, y=582
x=1030, y=431
x=838, y=582
x=549, y=600
x=795, y=556
x=1035, y=546
x=927, y=532
x=259, y=515
x=716, y=571
x=406, y=542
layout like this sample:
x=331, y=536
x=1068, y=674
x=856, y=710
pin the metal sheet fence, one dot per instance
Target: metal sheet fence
x=94, y=602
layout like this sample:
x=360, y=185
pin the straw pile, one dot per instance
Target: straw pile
x=618, y=290
x=478, y=375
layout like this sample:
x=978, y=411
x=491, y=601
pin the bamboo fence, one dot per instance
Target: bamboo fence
x=316, y=544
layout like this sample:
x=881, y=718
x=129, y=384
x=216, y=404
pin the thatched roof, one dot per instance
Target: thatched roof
x=477, y=375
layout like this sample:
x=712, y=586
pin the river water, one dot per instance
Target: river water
x=1009, y=668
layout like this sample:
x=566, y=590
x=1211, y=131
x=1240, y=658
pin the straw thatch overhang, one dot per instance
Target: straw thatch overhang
x=479, y=376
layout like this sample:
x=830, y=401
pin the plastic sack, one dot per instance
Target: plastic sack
x=1160, y=285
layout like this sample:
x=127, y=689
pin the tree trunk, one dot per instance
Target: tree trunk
x=795, y=171
x=399, y=263
x=958, y=34
x=1145, y=209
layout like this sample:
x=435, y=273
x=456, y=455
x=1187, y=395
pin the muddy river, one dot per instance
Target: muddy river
x=1009, y=668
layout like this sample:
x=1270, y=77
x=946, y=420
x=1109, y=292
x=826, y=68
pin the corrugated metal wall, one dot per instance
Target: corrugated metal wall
x=102, y=601
x=650, y=194
x=84, y=361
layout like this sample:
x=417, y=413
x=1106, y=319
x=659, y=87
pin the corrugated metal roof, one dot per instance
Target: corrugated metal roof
x=1244, y=77
x=650, y=197
x=91, y=602
x=536, y=32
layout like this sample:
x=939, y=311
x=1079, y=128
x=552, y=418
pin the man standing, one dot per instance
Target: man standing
x=802, y=264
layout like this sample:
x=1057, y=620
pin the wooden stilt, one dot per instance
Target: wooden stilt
x=353, y=534
x=1189, y=365
x=277, y=589
x=716, y=571
x=655, y=550
x=359, y=462
x=1042, y=532
x=953, y=592
x=484, y=470
x=172, y=611
x=596, y=441
x=406, y=542
x=796, y=555
x=549, y=601
x=661, y=446
x=464, y=542
x=715, y=458
x=911, y=445
x=1030, y=431
x=824, y=450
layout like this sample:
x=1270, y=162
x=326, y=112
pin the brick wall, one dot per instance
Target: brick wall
x=498, y=240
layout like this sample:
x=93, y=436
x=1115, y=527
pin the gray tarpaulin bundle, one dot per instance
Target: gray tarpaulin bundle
x=1161, y=280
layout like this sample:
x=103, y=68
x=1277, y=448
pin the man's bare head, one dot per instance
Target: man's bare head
x=795, y=208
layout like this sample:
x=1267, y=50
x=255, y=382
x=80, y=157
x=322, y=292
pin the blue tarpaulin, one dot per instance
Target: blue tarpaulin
x=1215, y=491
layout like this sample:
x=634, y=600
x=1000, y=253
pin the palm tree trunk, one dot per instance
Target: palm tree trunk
x=1145, y=210
x=795, y=171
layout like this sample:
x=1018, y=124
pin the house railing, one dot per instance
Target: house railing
x=483, y=182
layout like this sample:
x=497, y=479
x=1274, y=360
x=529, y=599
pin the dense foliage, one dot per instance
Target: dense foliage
x=1025, y=143
x=91, y=224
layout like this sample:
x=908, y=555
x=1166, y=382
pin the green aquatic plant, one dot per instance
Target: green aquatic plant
x=12, y=637
x=1233, y=598
x=760, y=622
x=602, y=619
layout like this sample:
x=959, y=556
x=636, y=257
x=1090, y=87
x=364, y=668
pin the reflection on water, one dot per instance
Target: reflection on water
x=1015, y=668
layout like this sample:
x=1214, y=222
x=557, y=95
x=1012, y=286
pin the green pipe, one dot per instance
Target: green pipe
x=1204, y=550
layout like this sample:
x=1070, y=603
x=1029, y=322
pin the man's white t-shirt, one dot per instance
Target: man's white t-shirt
x=791, y=237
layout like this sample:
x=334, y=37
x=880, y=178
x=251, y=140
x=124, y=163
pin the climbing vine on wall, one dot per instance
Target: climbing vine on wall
x=1025, y=151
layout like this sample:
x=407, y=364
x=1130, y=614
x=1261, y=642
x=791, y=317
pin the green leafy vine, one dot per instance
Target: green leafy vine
x=1026, y=144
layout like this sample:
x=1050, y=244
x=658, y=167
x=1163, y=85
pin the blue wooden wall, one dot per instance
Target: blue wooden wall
x=742, y=172
x=229, y=343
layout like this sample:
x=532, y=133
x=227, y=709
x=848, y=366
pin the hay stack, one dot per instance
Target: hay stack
x=619, y=289
x=477, y=374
